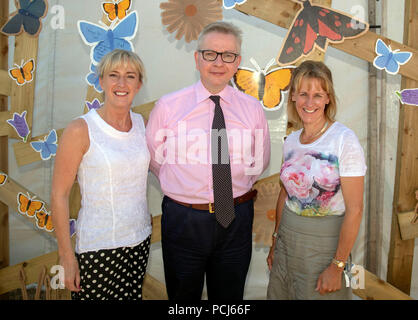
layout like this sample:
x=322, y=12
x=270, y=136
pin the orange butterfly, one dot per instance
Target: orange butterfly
x=24, y=73
x=27, y=205
x=266, y=86
x=44, y=221
x=3, y=178
x=116, y=10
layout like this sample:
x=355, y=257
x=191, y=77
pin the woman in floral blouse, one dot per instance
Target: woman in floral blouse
x=320, y=204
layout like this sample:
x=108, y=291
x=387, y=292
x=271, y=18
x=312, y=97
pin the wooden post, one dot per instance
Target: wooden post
x=401, y=253
x=372, y=214
x=4, y=212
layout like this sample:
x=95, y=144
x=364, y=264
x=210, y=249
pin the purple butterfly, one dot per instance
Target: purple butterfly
x=20, y=125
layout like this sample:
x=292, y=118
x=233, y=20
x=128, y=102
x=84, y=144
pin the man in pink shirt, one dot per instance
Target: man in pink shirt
x=179, y=136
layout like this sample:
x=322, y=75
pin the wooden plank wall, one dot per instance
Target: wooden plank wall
x=401, y=252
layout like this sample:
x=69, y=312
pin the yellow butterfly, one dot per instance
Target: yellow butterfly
x=3, y=178
x=116, y=10
x=27, y=205
x=267, y=86
x=44, y=221
x=24, y=73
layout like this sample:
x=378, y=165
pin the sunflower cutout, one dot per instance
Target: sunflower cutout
x=189, y=17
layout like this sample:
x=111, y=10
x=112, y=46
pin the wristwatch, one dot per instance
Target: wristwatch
x=338, y=263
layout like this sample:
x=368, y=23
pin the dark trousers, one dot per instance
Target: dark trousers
x=195, y=244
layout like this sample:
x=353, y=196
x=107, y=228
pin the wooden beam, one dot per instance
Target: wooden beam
x=4, y=116
x=373, y=165
x=25, y=154
x=377, y=289
x=4, y=144
x=282, y=12
x=5, y=82
x=22, y=97
x=401, y=252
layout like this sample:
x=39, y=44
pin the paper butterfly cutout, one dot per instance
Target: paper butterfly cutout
x=105, y=39
x=93, y=78
x=229, y=4
x=44, y=221
x=20, y=125
x=27, y=205
x=47, y=147
x=389, y=59
x=72, y=227
x=266, y=86
x=24, y=73
x=95, y=104
x=3, y=178
x=408, y=96
x=27, y=18
x=115, y=10
x=316, y=26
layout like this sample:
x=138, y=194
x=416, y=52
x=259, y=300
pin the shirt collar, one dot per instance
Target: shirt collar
x=202, y=93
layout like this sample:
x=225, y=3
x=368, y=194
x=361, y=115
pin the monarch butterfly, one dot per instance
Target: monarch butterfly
x=24, y=73
x=44, y=221
x=116, y=10
x=27, y=205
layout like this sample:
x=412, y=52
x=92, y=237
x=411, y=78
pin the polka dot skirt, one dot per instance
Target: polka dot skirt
x=113, y=274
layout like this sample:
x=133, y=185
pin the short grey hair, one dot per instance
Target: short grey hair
x=221, y=27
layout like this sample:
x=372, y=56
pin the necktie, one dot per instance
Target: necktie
x=221, y=169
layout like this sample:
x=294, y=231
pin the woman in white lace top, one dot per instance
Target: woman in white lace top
x=320, y=204
x=107, y=152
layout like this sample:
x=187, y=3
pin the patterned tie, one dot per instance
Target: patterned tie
x=221, y=169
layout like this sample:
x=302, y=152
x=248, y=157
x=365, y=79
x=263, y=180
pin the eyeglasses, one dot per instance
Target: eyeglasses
x=210, y=55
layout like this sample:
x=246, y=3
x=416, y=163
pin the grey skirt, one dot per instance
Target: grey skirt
x=304, y=249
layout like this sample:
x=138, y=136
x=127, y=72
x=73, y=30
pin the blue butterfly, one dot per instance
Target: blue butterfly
x=229, y=4
x=27, y=17
x=106, y=39
x=47, y=147
x=388, y=59
x=93, y=78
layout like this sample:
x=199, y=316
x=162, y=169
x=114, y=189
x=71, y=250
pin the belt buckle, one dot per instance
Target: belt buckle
x=211, y=208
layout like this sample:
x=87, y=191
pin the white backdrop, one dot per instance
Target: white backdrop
x=63, y=62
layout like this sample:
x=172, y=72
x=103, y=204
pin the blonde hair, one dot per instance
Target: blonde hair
x=221, y=27
x=311, y=70
x=117, y=57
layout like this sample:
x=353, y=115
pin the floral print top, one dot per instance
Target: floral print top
x=311, y=172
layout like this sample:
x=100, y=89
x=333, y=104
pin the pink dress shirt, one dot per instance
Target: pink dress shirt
x=179, y=139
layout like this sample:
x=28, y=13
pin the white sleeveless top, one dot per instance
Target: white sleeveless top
x=113, y=182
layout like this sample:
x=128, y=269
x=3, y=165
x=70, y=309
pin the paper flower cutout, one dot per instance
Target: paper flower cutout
x=189, y=17
x=408, y=96
x=20, y=125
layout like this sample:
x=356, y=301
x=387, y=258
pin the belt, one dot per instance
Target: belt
x=211, y=206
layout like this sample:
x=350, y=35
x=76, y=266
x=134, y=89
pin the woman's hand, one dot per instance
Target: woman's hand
x=329, y=280
x=270, y=257
x=71, y=273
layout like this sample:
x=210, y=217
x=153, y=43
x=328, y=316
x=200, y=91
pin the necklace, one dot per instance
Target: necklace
x=319, y=132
